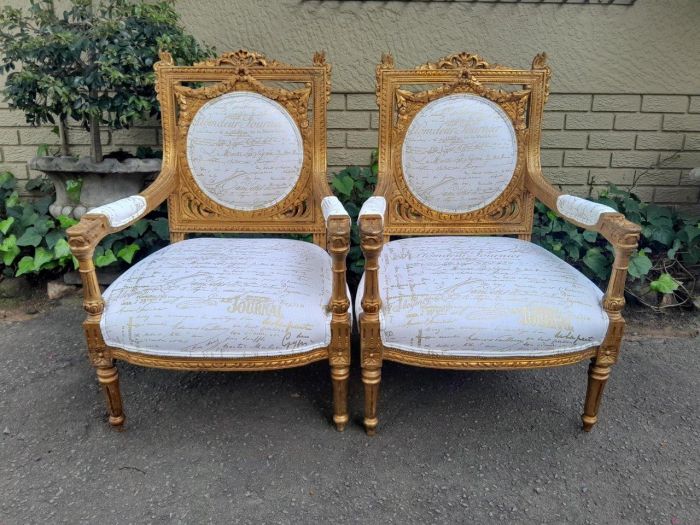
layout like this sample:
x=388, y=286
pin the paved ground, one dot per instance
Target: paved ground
x=228, y=448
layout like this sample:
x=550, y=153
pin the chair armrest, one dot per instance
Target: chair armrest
x=589, y=215
x=100, y=222
x=371, y=224
x=338, y=245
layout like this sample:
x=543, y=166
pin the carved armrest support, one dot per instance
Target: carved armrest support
x=371, y=223
x=84, y=237
x=338, y=244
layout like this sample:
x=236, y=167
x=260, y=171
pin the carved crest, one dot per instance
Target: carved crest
x=241, y=57
x=460, y=61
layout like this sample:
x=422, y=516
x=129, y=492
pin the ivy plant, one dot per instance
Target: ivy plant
x=92, y=63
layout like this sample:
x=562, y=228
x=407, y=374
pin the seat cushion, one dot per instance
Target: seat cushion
x=484, y=297
x=211, y=297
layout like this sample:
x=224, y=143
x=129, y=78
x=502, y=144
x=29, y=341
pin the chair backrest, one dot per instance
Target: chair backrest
x=456, y=140
x=247, y=138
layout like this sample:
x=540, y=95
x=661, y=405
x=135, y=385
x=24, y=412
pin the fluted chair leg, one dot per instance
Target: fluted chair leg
x=340, y=376
x=108, y=378
x=371, y=377
x=597, y=377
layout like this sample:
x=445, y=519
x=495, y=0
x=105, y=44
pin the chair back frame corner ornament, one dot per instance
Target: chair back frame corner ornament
x=401, y=96
x=182, y=91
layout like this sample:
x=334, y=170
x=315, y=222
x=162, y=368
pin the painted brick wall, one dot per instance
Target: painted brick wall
x=588, y=141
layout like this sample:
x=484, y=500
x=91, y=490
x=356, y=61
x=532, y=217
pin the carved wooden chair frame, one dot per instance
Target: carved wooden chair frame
x=190, y=210
x=509, y=214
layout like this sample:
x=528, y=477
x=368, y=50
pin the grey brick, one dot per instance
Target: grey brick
x=634, y=159
x=618, y=176
x=348, y=120
x=686, y=179
x=682, y=122
x=8, y=136
x=19, y=170
x=638, y=122
x=578, y=190
x=362, y=139
x=564, y=139
x=567, y=175
x=568, y=102
x=363, y=101
x=552, y=120
x=692, y=141
x=18, y=153
x=551, y=157
x=374, y=120
x=694, y=105
x=134, y=137
x=12, y=118
x=349, y=157
x=611, y=140
x=672, y=141
x=685, y=159
x=618, y=103
x=665, y=177
x=665, y=103
x=337, y=101
x=587, y=158
x=589, y=120
x=336, y=139
x=676, y=194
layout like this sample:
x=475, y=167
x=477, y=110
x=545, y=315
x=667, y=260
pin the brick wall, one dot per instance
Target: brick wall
x=588, y=141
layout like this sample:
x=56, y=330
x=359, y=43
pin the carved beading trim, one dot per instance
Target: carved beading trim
x=484, y=363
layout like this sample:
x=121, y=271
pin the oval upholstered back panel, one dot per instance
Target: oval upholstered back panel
x=244, y=151
x=459, y=153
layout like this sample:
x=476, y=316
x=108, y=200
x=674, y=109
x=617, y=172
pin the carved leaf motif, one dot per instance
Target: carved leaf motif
x=241, y=57
x=459, y=61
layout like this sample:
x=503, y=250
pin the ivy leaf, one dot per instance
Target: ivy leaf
x=105, y=259
x=9, y=250
x=639, y=264
x=137, y=229
x=25, y=265
x=674, y=249
x=343, y=184
x=5, y=225
x=160, y=226
x=61, y=249
x=128, y=251
x=66, y=222
x=30, y=237
x=590, y=236
x=597, y=262
x=53, y=237
x=664, y=284
x=42, y=256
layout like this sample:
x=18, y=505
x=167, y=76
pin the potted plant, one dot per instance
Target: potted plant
x=93, y=65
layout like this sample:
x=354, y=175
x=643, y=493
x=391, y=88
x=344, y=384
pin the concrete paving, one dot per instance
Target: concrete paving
x=258, y=447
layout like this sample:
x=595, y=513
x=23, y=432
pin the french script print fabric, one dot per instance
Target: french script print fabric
x=459, y=153
x=211, y=297
x=123, y=211
x=484, y=297
x=581, y=210
x=244, y=151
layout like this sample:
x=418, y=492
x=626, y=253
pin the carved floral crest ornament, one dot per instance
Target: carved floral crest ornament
x=239, y=155
x=459, y=154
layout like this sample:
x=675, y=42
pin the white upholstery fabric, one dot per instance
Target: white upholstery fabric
x=123, y=211
x=374, y=206
x=332, y=207
x=212, y=297
x=245, y=151
x=459, y=153
x=484, y=297
x=581, y=210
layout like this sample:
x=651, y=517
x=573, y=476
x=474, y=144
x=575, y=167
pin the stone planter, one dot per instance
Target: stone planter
x=103, y=182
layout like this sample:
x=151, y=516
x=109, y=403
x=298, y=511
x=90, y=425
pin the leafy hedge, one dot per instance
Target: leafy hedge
x=34, y=243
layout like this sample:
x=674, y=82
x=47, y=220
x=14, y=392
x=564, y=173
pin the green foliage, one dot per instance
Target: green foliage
x=670, y=242
x=33, y=242
x=354, y=186
x=93, y=61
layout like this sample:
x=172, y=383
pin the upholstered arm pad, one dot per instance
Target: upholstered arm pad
x=123, y=211
x=581, y=210
x=374, y=206
x=332, y=207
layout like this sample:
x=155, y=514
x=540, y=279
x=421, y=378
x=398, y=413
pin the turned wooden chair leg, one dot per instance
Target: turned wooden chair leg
x=108, y=378
x=597, y=377
x=371, y=377
x=340, y=376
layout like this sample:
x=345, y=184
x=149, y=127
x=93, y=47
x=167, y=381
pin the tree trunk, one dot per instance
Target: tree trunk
x=63, y=137
x=95, y=141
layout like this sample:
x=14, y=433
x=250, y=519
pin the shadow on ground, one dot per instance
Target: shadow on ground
x=252, y=447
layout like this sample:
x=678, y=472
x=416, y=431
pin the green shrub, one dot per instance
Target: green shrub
x=34, y=243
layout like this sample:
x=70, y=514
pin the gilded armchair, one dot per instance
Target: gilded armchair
x=241, y=154
x=459, y=161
